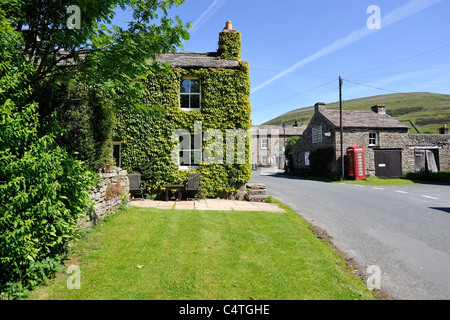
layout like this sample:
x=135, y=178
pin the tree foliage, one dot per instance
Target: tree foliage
x=101, y=63
x=43, y=190
x=290, y=148
x=58, y=90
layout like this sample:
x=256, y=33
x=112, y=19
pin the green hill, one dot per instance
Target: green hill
x=427, y=111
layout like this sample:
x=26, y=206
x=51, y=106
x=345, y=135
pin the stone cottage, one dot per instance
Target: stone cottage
x=206, y=97
x=268, y=143
x=389, y=149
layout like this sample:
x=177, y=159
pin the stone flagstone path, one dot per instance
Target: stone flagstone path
x=208, y=204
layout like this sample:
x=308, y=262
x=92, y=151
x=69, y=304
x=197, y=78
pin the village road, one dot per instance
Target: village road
x=404, y=230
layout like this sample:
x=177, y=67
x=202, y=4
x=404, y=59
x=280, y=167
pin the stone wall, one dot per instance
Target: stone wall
x=441, y=142
x=305, y=143
x=111, y=191
x=388, y=138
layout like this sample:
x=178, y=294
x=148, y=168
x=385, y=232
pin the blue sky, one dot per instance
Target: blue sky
x=297, y=49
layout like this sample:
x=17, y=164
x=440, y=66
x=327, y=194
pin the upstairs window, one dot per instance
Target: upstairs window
x=190, y=94
x=265, y=144
x=373, y=139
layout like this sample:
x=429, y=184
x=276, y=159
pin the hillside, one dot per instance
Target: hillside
x=427, y=111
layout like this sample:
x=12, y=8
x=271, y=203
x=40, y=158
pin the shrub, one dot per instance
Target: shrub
x=43, y=192
x=429, y=176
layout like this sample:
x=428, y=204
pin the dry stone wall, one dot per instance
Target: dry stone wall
x=112, y=190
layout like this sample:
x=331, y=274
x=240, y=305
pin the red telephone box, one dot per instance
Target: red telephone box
x=356, y=163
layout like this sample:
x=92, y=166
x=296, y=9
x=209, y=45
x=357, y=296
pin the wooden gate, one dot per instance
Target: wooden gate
x=388, y=163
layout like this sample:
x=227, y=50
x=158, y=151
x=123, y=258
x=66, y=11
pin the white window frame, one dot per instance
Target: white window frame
x=191, y=149
x=317, y=134
x=265, y=144
x=199, y=94
x=372, y=138
x=264, y=160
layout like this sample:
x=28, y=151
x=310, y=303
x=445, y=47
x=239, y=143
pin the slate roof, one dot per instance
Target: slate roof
x=363, y=119
x=197, y=60
x=290, y=130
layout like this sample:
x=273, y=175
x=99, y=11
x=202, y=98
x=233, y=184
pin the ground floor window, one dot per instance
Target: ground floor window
x=307, y=163
x=189, y=156
x=264, y=160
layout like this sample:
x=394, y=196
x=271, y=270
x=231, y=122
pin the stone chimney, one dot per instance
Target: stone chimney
x=319, y=107
x=229, y=43
x=297, y=123
x=381, y=109
x=444, y=129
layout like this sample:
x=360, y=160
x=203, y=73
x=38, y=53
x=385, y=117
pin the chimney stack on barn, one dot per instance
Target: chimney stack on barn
x=444, y=129
x=319, y=107
x=379, y=108
x=297, y=123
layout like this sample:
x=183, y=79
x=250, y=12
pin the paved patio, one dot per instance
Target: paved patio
x=208, y=204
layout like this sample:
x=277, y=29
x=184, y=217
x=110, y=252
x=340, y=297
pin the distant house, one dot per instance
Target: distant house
x=268, y=142
x=389, y=149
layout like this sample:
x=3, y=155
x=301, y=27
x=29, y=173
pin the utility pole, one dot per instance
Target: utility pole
x=341, y=127
x=284, y=151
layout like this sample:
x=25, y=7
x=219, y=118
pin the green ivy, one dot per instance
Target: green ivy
x=146, y=138
x=230, y=45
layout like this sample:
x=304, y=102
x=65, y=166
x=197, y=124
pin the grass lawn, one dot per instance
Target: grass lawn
x=375, y=181
x=143, y=253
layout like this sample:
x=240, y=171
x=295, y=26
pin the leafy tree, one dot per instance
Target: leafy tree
x=100, y=63
x=43, y=190
x=290, y=148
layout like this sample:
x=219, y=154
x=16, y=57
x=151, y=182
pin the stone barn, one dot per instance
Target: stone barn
x=389, y=150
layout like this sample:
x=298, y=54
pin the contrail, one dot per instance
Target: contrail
x=213, y=8
x=394, y=16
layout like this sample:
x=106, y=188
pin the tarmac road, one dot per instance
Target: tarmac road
x=404, y=230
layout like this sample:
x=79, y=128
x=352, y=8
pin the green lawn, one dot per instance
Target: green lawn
x=375, y=181
x=142, y=253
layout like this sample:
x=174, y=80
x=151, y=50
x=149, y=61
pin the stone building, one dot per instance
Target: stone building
x=389, y=149
x=268, y=143
x=201, y=121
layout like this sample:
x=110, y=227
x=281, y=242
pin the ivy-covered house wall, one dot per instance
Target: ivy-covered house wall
x=212, y=89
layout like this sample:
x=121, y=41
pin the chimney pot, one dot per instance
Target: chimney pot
x=228, y=26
